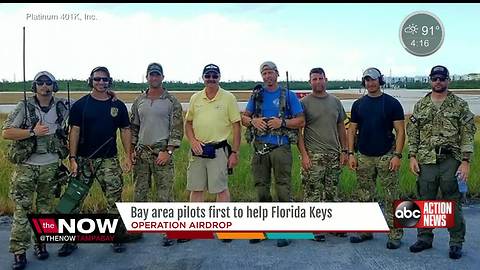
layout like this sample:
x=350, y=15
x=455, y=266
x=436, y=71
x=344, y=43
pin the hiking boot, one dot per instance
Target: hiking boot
x=419, y=246
x=393, y=243
x=183, y=240
x=319, y=238
x=255, y=241
x=360, y=238
x=67, y=249
x=283, y=242
x=20, y=261
x=40, y=251
x=166, y=242
x=455, y=252
x=118, y=247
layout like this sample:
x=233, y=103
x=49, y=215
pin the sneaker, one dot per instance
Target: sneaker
x=183, y=240
x=360, y=238
x=319, y=238
x=166, y=242
x=40, y=251
x=118, y=247
x=393, y=243
x=20, y=261
x=455, y=252
x=67, y=249
x=419, y=246
x=283, y=242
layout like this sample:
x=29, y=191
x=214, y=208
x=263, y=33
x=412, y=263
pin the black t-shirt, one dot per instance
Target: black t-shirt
x=98, y=122
x=375, y=116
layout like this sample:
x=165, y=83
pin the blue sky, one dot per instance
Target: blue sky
x=344, y=39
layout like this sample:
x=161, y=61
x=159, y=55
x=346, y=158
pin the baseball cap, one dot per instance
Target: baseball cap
x=268, y=65
x=439, y=70
x=372, y=73
x=211, y=68
x=155, y=67
x=44, y=73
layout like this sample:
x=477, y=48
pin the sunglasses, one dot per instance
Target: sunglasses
x=434, y=79
x=208, y=76
x=97, y=79
x=40, y=83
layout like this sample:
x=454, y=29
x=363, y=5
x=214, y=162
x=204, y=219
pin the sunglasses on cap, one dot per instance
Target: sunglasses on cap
x=208, y=76
x=47, y=82
x=97, y=79
x=441, y=78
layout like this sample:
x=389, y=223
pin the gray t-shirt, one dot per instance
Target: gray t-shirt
x=155, y=118
x=322, y=114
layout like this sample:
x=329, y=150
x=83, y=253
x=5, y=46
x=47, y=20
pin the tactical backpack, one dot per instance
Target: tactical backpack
x=20, y=150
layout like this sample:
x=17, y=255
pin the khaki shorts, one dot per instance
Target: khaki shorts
x=210, y=174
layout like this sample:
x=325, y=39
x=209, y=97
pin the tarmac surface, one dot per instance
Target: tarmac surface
x=334, y=253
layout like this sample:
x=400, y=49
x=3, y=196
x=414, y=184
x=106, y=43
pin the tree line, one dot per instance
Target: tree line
x=78, y=85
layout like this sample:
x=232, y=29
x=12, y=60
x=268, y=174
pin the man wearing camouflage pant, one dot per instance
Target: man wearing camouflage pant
x=39, y=121
x=375, y=115
x=157, y=129
x=441, y=134
x=322, y=143
x=94, y=120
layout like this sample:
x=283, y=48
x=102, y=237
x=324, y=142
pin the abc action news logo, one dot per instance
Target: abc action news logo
x=77, y=228
x=424, y=214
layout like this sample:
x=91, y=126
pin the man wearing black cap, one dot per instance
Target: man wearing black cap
x=35, y=127
x=211, y=117
x=375, y=115
x=441, y=134
x=157, y=129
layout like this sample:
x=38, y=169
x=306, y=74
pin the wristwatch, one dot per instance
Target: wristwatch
x=284, y=122
x=399, y=155
x=170, y=152
x=32, y=133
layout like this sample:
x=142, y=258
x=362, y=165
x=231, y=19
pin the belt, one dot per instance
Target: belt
x=443, y=150
x=265, y=148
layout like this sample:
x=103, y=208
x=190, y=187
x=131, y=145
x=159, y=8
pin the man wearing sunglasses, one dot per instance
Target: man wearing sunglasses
x=39, y=143
x=94, y=121
x=375, y=116
x=211, y=117
x=441, y=134
x=157, y=130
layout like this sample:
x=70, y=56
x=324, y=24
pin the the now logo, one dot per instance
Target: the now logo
x=87, y=225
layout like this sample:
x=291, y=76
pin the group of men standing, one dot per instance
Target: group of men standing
x=440, y=131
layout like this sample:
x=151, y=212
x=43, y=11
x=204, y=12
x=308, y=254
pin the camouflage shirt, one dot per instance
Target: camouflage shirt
x=451, y=126
x=156, y=120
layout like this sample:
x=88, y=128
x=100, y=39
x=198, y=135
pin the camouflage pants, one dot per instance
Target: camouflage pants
x=442, y=175
x=371, y=168
x=280, y=160
x=26, y=181
x=144, y=170
x=321, y=181
x=108, y=173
